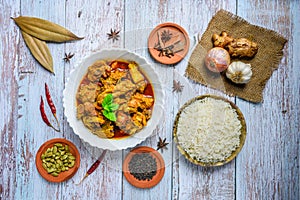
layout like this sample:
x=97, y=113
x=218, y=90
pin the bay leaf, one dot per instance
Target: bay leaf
x=44, y=30
x=40, y=51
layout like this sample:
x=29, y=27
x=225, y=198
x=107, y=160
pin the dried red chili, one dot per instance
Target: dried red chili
x=49, y=100
x=52, y=108
x=43, y=113
x=51, y=104
x=44, y=116
x=94, y=166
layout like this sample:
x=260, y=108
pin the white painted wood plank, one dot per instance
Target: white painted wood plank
x=166, y=11
x=195, y=182
x=94, y=22
x=31, y=130
x=268, y=166
x=8, y=97
x=146, y=15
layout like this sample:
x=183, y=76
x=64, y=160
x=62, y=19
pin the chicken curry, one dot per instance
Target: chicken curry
x=131, y=93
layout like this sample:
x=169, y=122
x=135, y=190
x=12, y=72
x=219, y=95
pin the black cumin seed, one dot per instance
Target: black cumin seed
x=142, y=166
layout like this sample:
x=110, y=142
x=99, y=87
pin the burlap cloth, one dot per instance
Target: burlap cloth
x=270, y=45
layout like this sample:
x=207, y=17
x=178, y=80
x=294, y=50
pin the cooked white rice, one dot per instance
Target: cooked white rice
x=209, y=130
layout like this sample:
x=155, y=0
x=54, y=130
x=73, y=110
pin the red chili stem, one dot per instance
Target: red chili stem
x=94, y=166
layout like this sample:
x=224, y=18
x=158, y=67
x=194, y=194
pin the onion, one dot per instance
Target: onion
x=217, y=59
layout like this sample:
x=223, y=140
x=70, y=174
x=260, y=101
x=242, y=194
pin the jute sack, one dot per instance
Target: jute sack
x=270, y=52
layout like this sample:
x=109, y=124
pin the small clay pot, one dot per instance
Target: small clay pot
x=144, y=183
x=63, y=176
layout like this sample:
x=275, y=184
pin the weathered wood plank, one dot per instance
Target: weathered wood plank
x=268, y=167
x=95, y=20
x=195, y=182
x=178, y=15
x=9, y=44
x=31, y=130
x=146, y=15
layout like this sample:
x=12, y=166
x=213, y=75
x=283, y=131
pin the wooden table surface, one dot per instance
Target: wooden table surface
x=266, y=168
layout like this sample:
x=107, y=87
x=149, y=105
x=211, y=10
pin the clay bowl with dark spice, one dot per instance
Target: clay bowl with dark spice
x=63, y=176
x=153, y=180
x=70, y=101
x=234, y=153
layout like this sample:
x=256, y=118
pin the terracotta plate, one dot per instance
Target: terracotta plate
x=63, y=176
x=168, y=37
x=156, y=178
x=234, y=153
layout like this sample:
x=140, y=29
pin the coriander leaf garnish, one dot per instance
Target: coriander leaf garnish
x=109, y=108
x=110, y=115
x=113, y=107
x=108, y=99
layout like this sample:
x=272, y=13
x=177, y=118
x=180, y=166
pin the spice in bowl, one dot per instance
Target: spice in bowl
x=168, y=43
x=143, y=166
x=57, y=159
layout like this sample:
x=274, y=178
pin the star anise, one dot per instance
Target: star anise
x=177, y=87
x=114, y=35
x=161, y=144
x=165, y=36
x=68, y=57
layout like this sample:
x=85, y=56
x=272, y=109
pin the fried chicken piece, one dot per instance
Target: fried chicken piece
x=108, y=129
x=145, y=102
x=96, y=70
x=103, y=94
x=139, y=120
x=113, y=78
x=80, y=111
x=136, y=75
x=120, y=101
x=87, y=93
x=124, y=88
x=131, y=128
x=122, y=119
x=89, y=109
x=92, y=122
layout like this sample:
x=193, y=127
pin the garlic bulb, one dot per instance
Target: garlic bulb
x=239, y=72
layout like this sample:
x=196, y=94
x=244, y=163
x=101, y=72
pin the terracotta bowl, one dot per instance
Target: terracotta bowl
x=179, y=39
x=144, y=183
x=63, y=176
x=234, y=153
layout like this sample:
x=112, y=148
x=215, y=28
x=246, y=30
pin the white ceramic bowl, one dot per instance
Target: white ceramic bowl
x=69, y=100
